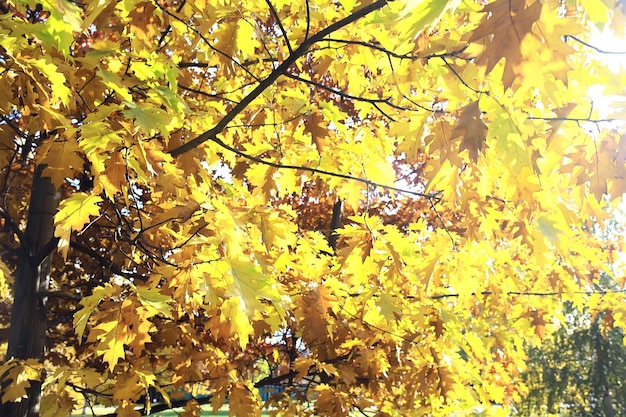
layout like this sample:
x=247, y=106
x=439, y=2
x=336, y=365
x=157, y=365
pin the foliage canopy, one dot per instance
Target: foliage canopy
x=372, y=205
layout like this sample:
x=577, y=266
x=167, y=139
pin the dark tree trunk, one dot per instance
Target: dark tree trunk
x=27, y=334
x=335, y=224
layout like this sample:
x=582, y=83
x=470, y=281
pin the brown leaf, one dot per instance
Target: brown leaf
x=504, y=40
x=472, y=129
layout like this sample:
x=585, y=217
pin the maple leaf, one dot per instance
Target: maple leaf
x=313, y=124
x=17, y=375
x=89, y=304
x=244, y=400
x=251, y=285
x=471, y=128
x=74, y=213
x=504, y=40
x=388, y=308
x=234, y=311
x=148, y=118
x=548, y=228
x=262, y=177
x=60, y=157
x=538, y=322
x=111, y=176
x=153, y=301
x=191, y=409
x=50, y=71
x=561, y=116
x=111, y=345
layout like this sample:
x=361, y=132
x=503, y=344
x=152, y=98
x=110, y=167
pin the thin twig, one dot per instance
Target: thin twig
x=572, y=119
x=432, y=205
x=106, y=264
x=451, y=68
x=432, y=197
x=595, y=48
x=206, y=41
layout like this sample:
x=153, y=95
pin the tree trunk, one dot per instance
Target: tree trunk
x=335, y=224
x=27, y=334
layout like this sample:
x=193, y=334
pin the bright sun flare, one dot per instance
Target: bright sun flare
x=611, y=51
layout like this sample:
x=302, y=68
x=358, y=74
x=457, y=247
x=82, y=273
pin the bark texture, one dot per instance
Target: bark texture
x=27, y=334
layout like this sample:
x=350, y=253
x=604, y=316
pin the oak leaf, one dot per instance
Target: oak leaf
x=505, y=40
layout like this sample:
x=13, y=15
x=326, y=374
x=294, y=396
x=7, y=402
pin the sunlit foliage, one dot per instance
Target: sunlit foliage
x=371, y=206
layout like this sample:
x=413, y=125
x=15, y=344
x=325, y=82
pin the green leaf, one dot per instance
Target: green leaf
x=153, y=301
x=251, y=285
x=388, y=308
x=548, y=228
x=148, y=118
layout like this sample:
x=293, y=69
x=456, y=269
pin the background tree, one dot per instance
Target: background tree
x=196, y=151
x=579, y=370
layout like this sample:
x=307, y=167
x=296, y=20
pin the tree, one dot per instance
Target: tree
x=368, y=206
x=579, y=370
x=579, y=373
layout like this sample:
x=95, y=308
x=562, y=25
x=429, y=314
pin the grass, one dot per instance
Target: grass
x=207, y=411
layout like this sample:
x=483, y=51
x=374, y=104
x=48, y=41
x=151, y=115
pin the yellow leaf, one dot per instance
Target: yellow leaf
x=244, y=401
x=111, y=176
x=60, y=156
x=251, y=285
x=16, y=377
x=112, y=347
x=55, y=77
x=89, y=304
x=234, y=313
x=191, y=409
x=73, y=214
x=245, y=37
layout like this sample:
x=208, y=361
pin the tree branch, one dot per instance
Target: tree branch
x=432, y=197
x=572, y=119
x=168, y=29
x=530, y=293
x=61, y=295
x=595, y=48
x=271, y=78
x=104, y=263
x=280, y=24
x=376, y=102
x=412, y=57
